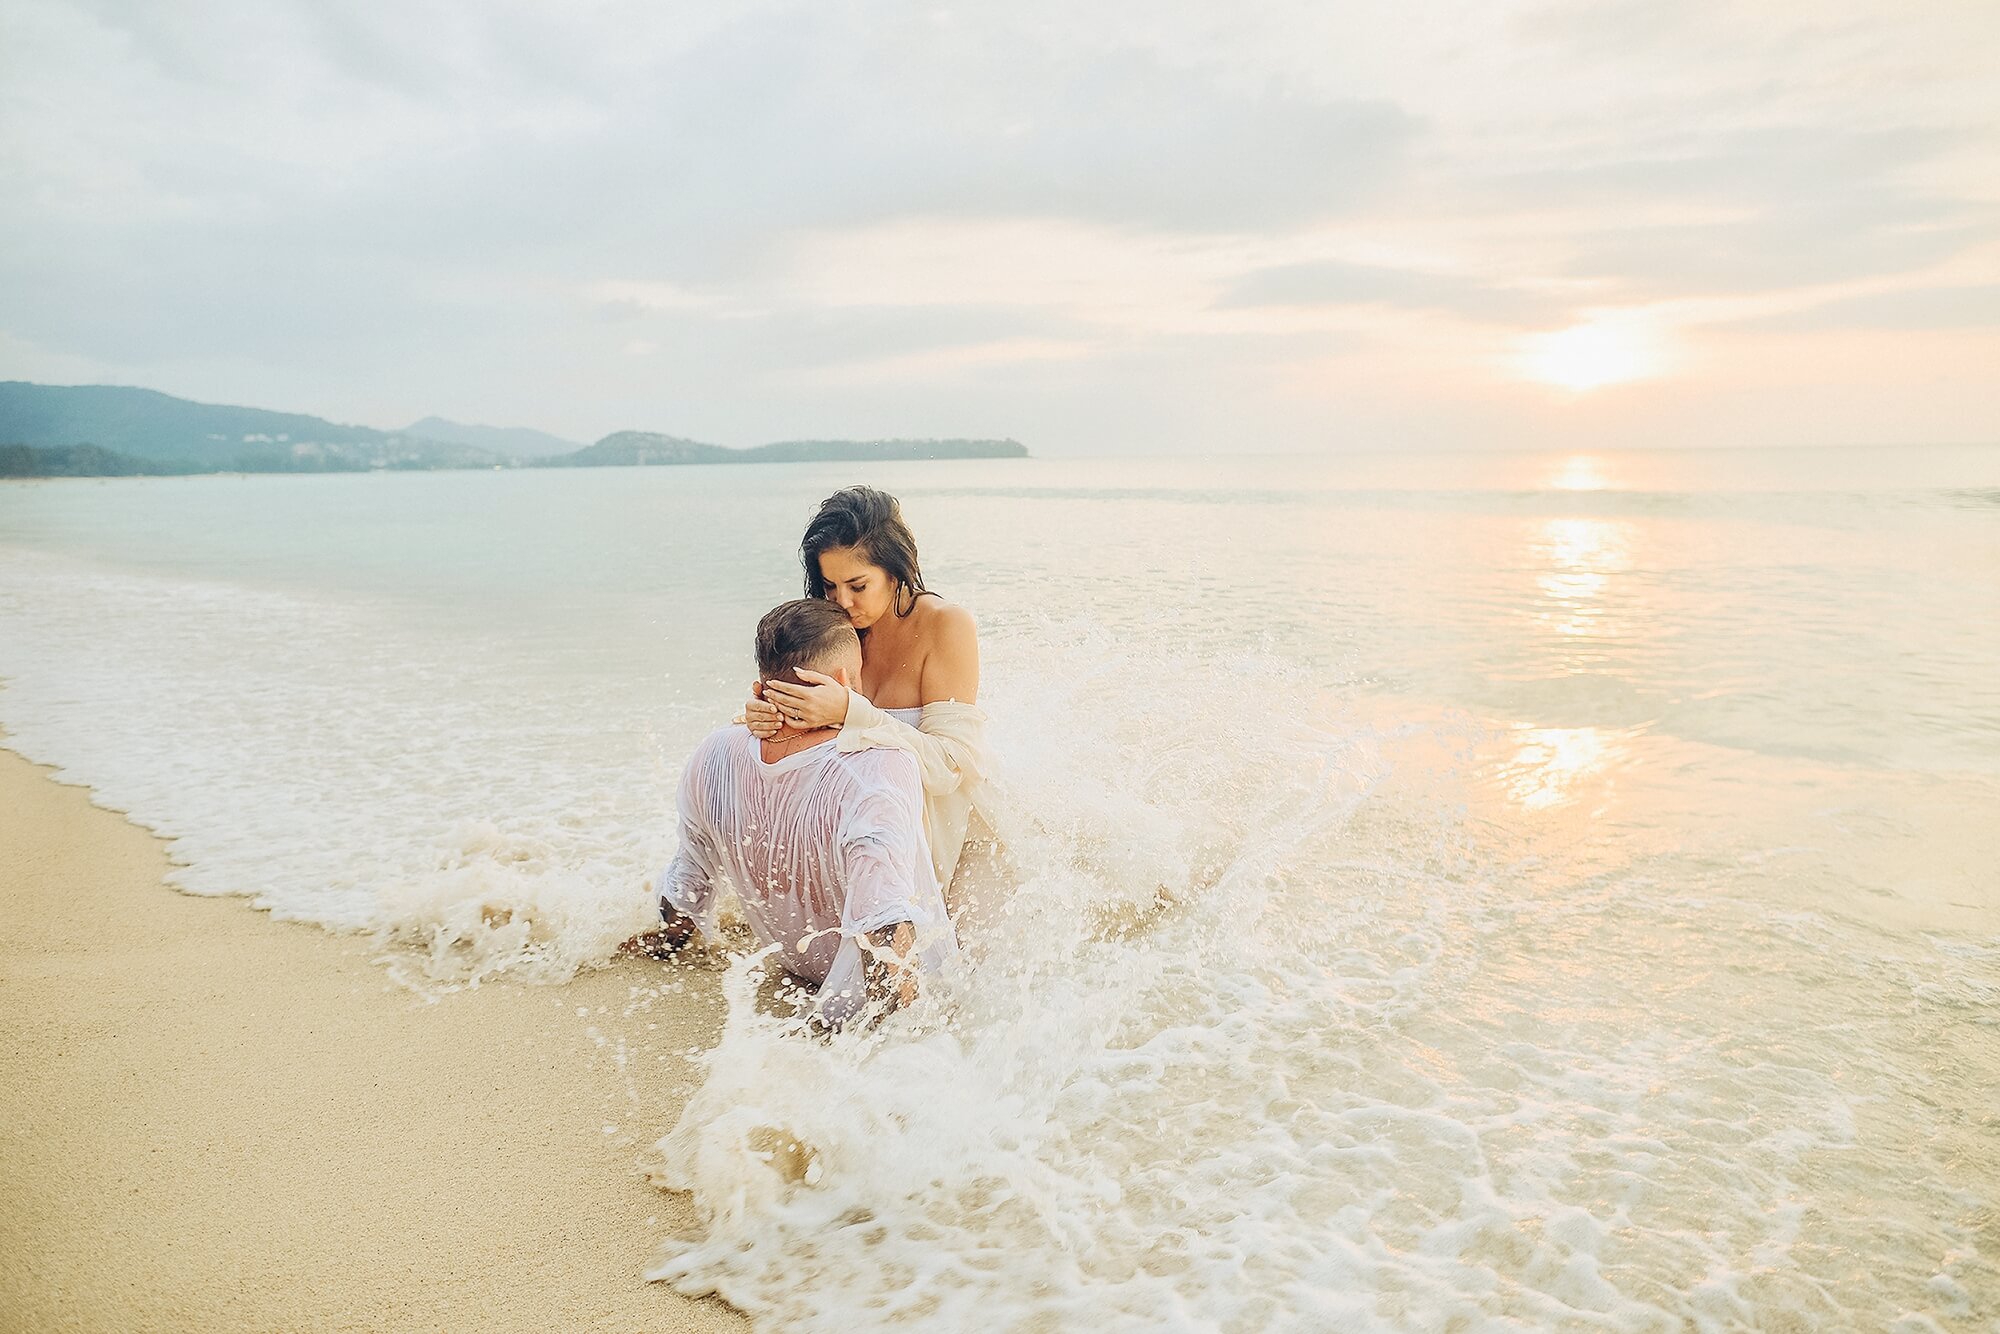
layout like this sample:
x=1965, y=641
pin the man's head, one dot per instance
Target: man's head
x=812, y=633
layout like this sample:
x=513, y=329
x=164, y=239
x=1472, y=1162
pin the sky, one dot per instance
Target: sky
x=1265, y=226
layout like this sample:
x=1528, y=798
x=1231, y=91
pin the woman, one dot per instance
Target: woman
x=919, y=683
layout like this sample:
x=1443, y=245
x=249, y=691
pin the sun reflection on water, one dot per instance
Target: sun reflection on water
x=1553, y=766
x=1580, y=472
x=1579, y=558
x=1580, y=567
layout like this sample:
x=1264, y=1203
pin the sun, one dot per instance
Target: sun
x=1592, y=355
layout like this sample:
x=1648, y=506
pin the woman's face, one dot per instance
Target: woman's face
x=865, y=592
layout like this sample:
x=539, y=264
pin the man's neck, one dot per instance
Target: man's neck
x=790, y=742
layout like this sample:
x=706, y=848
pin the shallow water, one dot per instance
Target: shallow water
x=1452, y=890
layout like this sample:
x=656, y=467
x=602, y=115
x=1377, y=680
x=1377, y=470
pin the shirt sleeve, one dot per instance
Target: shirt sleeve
x=887, y=872
x=687, y=885
x=885, y=865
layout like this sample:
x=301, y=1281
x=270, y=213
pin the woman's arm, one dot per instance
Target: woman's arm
x=950, y=672
x=949, y=741
x=951, y=668
x=820, y=702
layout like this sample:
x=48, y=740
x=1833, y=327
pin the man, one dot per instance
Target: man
x=825, y=850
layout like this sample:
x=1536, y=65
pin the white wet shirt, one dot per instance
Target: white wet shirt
x=821, y=847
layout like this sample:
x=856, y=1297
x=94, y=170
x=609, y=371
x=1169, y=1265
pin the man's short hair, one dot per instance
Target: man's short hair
x=806, y=632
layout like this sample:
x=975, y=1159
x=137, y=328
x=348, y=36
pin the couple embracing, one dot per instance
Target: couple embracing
x=838, y=806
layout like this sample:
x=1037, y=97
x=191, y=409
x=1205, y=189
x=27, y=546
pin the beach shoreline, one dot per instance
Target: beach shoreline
x=218, y=1121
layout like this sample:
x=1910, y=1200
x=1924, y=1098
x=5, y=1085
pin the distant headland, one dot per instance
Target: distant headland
x=111, y=431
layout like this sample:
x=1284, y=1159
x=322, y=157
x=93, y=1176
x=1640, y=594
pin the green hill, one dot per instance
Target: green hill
x=209, y=437
x=624, y=449
x=78, y=461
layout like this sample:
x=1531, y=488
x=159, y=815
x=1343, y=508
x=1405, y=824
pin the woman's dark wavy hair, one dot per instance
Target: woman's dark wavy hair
x=871, y=521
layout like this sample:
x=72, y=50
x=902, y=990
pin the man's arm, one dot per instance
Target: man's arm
x=686, y=888
x=891, y=973
x=871, y=975
x=892, y=902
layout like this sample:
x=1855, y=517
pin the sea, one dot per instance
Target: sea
x=1439, y=892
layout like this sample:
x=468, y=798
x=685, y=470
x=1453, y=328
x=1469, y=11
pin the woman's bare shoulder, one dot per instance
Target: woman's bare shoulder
x=951, y=654
x=946, y=622
x=950, y=613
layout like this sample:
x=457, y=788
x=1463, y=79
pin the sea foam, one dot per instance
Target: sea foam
x=1471, y=950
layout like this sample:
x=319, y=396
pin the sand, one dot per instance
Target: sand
x=217, y=1121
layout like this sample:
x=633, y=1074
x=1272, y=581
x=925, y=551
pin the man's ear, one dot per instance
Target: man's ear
x=840, y=674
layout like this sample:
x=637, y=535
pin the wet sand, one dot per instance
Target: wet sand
x=212, y=1120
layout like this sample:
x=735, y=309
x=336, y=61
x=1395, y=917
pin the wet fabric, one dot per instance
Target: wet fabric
x=821, y=848
x=948, y=740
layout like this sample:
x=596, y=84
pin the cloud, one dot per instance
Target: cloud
x=1780, y=249
x=1909, y=310
x=1756, y=166
x=304, y=176
x=932, y=363
x=1761, y=209
x=837, y=342
x=1102, y=225
x=824, y=113
x=881, y=114
x=1332, y=283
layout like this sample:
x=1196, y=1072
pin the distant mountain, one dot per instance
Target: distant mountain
x=624, y=449
x=78, y=461
x=514, y=441
x=208, y=437
x=109, y=431
x=642, y=448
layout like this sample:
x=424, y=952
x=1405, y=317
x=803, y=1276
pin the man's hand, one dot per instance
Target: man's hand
x=673, y=936
x=891, y=974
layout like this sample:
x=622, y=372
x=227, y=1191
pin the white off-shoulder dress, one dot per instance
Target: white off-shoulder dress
x=948, y=740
